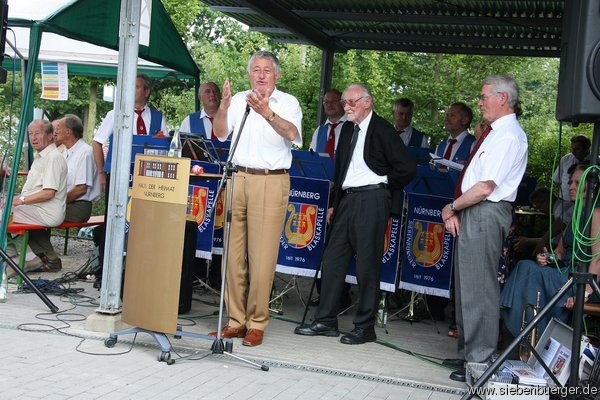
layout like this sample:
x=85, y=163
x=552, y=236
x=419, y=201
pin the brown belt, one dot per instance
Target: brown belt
x=258, y=171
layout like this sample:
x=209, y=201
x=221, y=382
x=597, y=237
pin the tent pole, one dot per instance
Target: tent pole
x=129, y=31
x=35, y=38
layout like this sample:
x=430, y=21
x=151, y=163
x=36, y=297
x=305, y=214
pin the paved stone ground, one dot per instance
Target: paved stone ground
x=64, y=361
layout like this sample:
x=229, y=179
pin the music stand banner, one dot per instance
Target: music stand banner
x=201, y=195
x=428, y=247
x=389, y=260
x=219, y=224
x=303, y=237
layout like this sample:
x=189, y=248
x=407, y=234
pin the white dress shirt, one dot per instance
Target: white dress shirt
x=338, y=129
x=82, y=170
x=107, y=126
x=359, y=173
x=502, y=158
x=260, y=146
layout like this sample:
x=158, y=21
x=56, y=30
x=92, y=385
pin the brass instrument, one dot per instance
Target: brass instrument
x=524, y=351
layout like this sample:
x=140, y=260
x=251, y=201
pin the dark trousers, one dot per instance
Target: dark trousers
x=358, y=229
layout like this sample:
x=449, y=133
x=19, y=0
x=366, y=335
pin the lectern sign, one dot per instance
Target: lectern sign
x=153, y=274
x=162, y=179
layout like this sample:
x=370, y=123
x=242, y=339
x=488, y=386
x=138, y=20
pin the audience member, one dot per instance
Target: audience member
x=42, y=200
x=371, y=167
x=527, y=247
x=326, y=136
x=261, y=191
x=546, y=277
x=480, y=217
x=580, y=151
x=411, y=136
x=200, y=122
x=82, y=180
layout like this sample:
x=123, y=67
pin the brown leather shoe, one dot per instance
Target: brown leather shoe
x=254, y=337
x=230, y=332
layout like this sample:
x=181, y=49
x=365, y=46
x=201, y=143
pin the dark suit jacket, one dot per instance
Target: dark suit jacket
x=384, y=154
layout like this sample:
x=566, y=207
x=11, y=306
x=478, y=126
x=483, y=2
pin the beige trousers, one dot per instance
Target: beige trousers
x=258, y=213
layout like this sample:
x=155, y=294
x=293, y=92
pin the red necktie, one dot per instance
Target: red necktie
x=140, y=125
x=330, y=146
x=212, y=130
x=458, y=189
x=449, y=148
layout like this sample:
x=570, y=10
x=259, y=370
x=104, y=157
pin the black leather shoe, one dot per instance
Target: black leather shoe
x=454, y=362
x=460, y=375
x=317, y=329
x=359, y=336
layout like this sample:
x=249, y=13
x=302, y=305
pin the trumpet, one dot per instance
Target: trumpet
x=524, y=350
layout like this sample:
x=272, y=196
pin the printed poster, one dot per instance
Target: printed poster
x=55, y=81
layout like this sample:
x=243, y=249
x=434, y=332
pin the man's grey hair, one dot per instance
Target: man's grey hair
x=506, y=84
x=264, y=54
x=73, y=122
x=364, y=88
x=47, y=126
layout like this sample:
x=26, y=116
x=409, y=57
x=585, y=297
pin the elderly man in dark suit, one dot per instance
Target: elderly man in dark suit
x=371, y=167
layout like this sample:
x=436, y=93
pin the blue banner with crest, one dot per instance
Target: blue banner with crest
x=428, y=248
x=202, y=195
x=301, y=243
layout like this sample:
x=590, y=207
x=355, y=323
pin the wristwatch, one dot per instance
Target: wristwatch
x=22, y=199
x=271, y=117
x=452, y=207
x=587, y=294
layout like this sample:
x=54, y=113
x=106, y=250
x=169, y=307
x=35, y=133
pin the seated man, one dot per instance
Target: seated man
x=83, y=186
x=545, y=277
x=42, y=200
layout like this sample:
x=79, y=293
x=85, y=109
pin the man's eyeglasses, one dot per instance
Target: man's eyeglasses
x=351, y=103
x=484, y=97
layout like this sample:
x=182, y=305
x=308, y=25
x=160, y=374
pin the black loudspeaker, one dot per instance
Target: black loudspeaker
x=579, y=76
x=3, y=26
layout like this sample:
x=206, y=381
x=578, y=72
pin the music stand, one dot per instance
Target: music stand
x=310, y=164
x=197, y=148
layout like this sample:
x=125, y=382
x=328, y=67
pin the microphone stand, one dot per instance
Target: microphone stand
x=220, y=345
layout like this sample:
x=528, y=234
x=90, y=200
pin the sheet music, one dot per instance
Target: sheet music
x=447, y=163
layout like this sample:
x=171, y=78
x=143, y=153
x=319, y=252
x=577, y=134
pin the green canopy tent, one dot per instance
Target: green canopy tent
x=96, y=23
